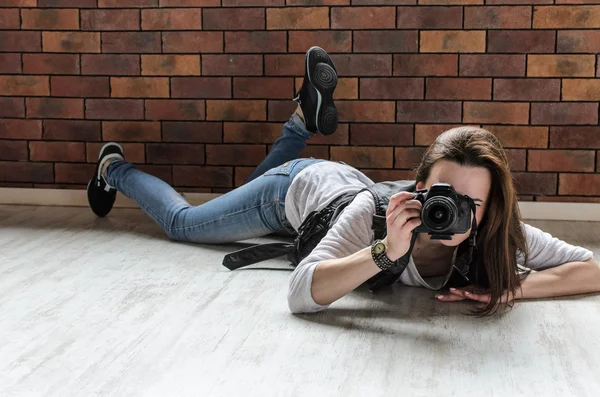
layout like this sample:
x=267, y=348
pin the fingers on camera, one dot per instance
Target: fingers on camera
x=405, y=199
x=401, y=197
x=402, y=215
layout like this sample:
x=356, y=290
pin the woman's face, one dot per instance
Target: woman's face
x=474, y=182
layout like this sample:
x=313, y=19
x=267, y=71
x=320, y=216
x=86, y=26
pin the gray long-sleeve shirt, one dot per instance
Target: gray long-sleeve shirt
x=317, y=185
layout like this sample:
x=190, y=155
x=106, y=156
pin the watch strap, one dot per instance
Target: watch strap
x=381, y=260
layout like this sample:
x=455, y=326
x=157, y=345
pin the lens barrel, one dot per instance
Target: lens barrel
x=439, y=213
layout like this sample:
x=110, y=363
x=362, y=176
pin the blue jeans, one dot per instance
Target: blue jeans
x=255, y=209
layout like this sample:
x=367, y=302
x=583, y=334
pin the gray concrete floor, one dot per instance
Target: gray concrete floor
x=109, y=307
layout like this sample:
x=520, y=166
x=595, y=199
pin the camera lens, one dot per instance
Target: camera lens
x=439, y=214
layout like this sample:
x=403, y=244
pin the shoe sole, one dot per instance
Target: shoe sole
x=314, y=56
x=324, y=80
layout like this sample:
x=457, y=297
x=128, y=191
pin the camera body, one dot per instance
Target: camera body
x=444, y=213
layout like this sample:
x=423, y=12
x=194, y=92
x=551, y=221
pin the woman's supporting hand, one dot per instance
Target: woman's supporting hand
x=572, y=278
x=402, y=217
x=472, y=293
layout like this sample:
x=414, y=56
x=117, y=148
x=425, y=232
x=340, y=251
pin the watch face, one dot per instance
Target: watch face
x=379, y=248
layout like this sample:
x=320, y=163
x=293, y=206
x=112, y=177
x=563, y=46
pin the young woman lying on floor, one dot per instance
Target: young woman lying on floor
x=284, y=189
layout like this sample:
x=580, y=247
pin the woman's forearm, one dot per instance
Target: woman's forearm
x=568, y=279
x=334, y=278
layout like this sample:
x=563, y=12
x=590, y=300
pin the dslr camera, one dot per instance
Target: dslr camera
x=444, y=213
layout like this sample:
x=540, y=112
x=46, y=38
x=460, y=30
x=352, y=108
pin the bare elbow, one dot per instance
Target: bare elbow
x=593, y=265
x=596, y=271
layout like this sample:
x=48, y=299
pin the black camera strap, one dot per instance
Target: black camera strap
x=312, y=230
x=256, y=253
x=463, y=267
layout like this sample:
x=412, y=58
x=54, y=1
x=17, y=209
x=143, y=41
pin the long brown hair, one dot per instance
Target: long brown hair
x=500, y=235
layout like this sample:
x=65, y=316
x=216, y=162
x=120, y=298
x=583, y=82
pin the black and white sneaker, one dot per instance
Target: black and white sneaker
x=316, y=94
x=101, y=195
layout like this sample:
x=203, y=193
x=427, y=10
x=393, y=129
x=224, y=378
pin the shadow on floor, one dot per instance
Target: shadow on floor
x=130, y=221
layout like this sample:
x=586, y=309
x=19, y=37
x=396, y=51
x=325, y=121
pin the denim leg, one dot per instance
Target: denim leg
x=287, y=147
x=253, y=210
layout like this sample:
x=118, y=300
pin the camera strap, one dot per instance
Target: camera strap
x=312, y=230
x=463, y=266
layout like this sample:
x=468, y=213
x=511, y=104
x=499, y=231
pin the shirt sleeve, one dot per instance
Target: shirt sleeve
x=546, y=251
x=350, y=233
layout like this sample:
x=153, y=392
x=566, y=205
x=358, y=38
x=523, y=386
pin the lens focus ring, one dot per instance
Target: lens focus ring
x=439, y=214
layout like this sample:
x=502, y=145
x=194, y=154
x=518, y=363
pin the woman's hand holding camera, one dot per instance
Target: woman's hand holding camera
x=402, y=217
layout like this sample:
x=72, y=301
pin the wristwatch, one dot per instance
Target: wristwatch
x=379, y=255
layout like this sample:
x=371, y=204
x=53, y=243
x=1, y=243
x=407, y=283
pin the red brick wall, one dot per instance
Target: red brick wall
x=196, y=90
